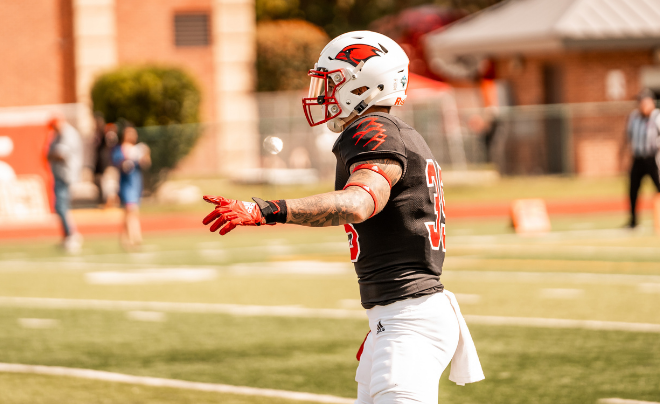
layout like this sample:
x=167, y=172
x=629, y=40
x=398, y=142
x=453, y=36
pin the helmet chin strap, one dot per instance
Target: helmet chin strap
x=337, y=125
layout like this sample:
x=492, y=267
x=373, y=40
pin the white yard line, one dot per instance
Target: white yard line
x=562, y=323
x=549, y=237
x=22, y=265
x=561, y=293
x=141, y=259
x=561, y=277
x=247, y=250
x=234, y=309
x=623, y=401
x=148, y=276
x=576, y=251
x=648, y=283
x=294, y=311
x=551, y=241
x=38, y=322
x=160, y=382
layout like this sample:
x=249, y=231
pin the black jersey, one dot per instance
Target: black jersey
x=398, y=253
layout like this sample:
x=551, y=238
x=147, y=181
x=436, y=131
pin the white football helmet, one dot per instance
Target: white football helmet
x=351, y=61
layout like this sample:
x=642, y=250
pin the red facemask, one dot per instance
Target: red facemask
x=321, y=105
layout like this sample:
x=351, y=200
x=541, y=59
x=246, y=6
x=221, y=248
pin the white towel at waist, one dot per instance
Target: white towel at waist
x=465, y=365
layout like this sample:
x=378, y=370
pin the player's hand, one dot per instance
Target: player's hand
x=232, y=213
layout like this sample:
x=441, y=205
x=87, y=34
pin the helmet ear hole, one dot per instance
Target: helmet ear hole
x=360, y=90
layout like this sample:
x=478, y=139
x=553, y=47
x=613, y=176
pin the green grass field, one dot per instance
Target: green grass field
x=522, y=365
x=587, y=269
x=506, y=189
x=39, y=389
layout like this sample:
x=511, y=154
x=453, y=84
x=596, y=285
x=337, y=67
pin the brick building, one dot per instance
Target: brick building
x=579, y=62
x=53, y=49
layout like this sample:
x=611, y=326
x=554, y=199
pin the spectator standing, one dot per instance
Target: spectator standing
x=99, y=142
x=107, y=174
x=485, y=128
x=131, y=158
x=643, y=130
x=66, y=161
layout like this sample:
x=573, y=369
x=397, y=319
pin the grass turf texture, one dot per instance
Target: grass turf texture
x=40, y=389
x=522, y=364
x=317, y=355
x=501, y=294
x=267, y=242
x=41, y=273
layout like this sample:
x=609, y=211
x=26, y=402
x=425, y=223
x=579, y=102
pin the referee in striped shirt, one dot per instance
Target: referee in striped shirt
x=643, y=130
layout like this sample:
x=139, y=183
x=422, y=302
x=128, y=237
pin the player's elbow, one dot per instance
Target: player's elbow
x=360, y=215
x=362, y=205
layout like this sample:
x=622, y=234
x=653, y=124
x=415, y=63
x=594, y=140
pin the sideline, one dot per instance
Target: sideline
x=160, y=382
x=623, y=401
x=295, y=311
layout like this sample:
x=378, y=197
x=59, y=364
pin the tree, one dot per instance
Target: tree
x=339, y=16
x=286, y=50
x=161, y=102
x=405, y=21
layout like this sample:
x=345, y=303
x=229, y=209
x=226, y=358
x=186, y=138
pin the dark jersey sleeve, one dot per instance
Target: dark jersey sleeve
x=372, y=137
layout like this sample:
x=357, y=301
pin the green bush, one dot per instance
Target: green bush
x=147, y=96
x=286, y=50
x=162, y=102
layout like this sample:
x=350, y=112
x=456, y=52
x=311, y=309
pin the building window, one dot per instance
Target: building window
x=191, y=29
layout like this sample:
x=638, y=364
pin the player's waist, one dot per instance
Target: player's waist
x=385, y=270
x=419, y=306
x=385, y=293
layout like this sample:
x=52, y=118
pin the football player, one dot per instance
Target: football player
x=389, y=198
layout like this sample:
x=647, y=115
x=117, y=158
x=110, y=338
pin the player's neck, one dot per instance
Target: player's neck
x=374, y=108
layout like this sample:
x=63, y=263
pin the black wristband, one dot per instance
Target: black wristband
x=272, y=211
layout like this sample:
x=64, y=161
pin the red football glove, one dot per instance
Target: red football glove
x=233, y=213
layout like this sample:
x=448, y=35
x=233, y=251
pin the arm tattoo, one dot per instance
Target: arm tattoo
x=376, y=182
x=352, y=205
x=330, y=209
x=391, y=168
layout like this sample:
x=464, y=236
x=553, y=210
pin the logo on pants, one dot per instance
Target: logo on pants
x=379, y=328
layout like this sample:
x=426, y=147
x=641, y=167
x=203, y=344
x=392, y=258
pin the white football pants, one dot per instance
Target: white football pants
x=411, y=343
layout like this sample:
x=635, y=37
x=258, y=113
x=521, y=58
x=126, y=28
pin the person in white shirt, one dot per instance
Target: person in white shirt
x=66, y=160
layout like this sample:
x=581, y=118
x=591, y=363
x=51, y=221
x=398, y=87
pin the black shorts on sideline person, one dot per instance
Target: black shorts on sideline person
x=641, y=166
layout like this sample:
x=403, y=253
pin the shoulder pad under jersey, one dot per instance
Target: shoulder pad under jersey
x=369, y=137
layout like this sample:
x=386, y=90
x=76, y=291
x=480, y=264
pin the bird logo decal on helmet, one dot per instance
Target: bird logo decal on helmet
x=354, y=54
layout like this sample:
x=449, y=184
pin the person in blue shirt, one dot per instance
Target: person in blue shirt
x=131, y=158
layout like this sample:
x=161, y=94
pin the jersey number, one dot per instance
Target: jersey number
x=436, y=228
x=353, y=242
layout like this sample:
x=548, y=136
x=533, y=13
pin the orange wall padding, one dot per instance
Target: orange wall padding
x=29, y=154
